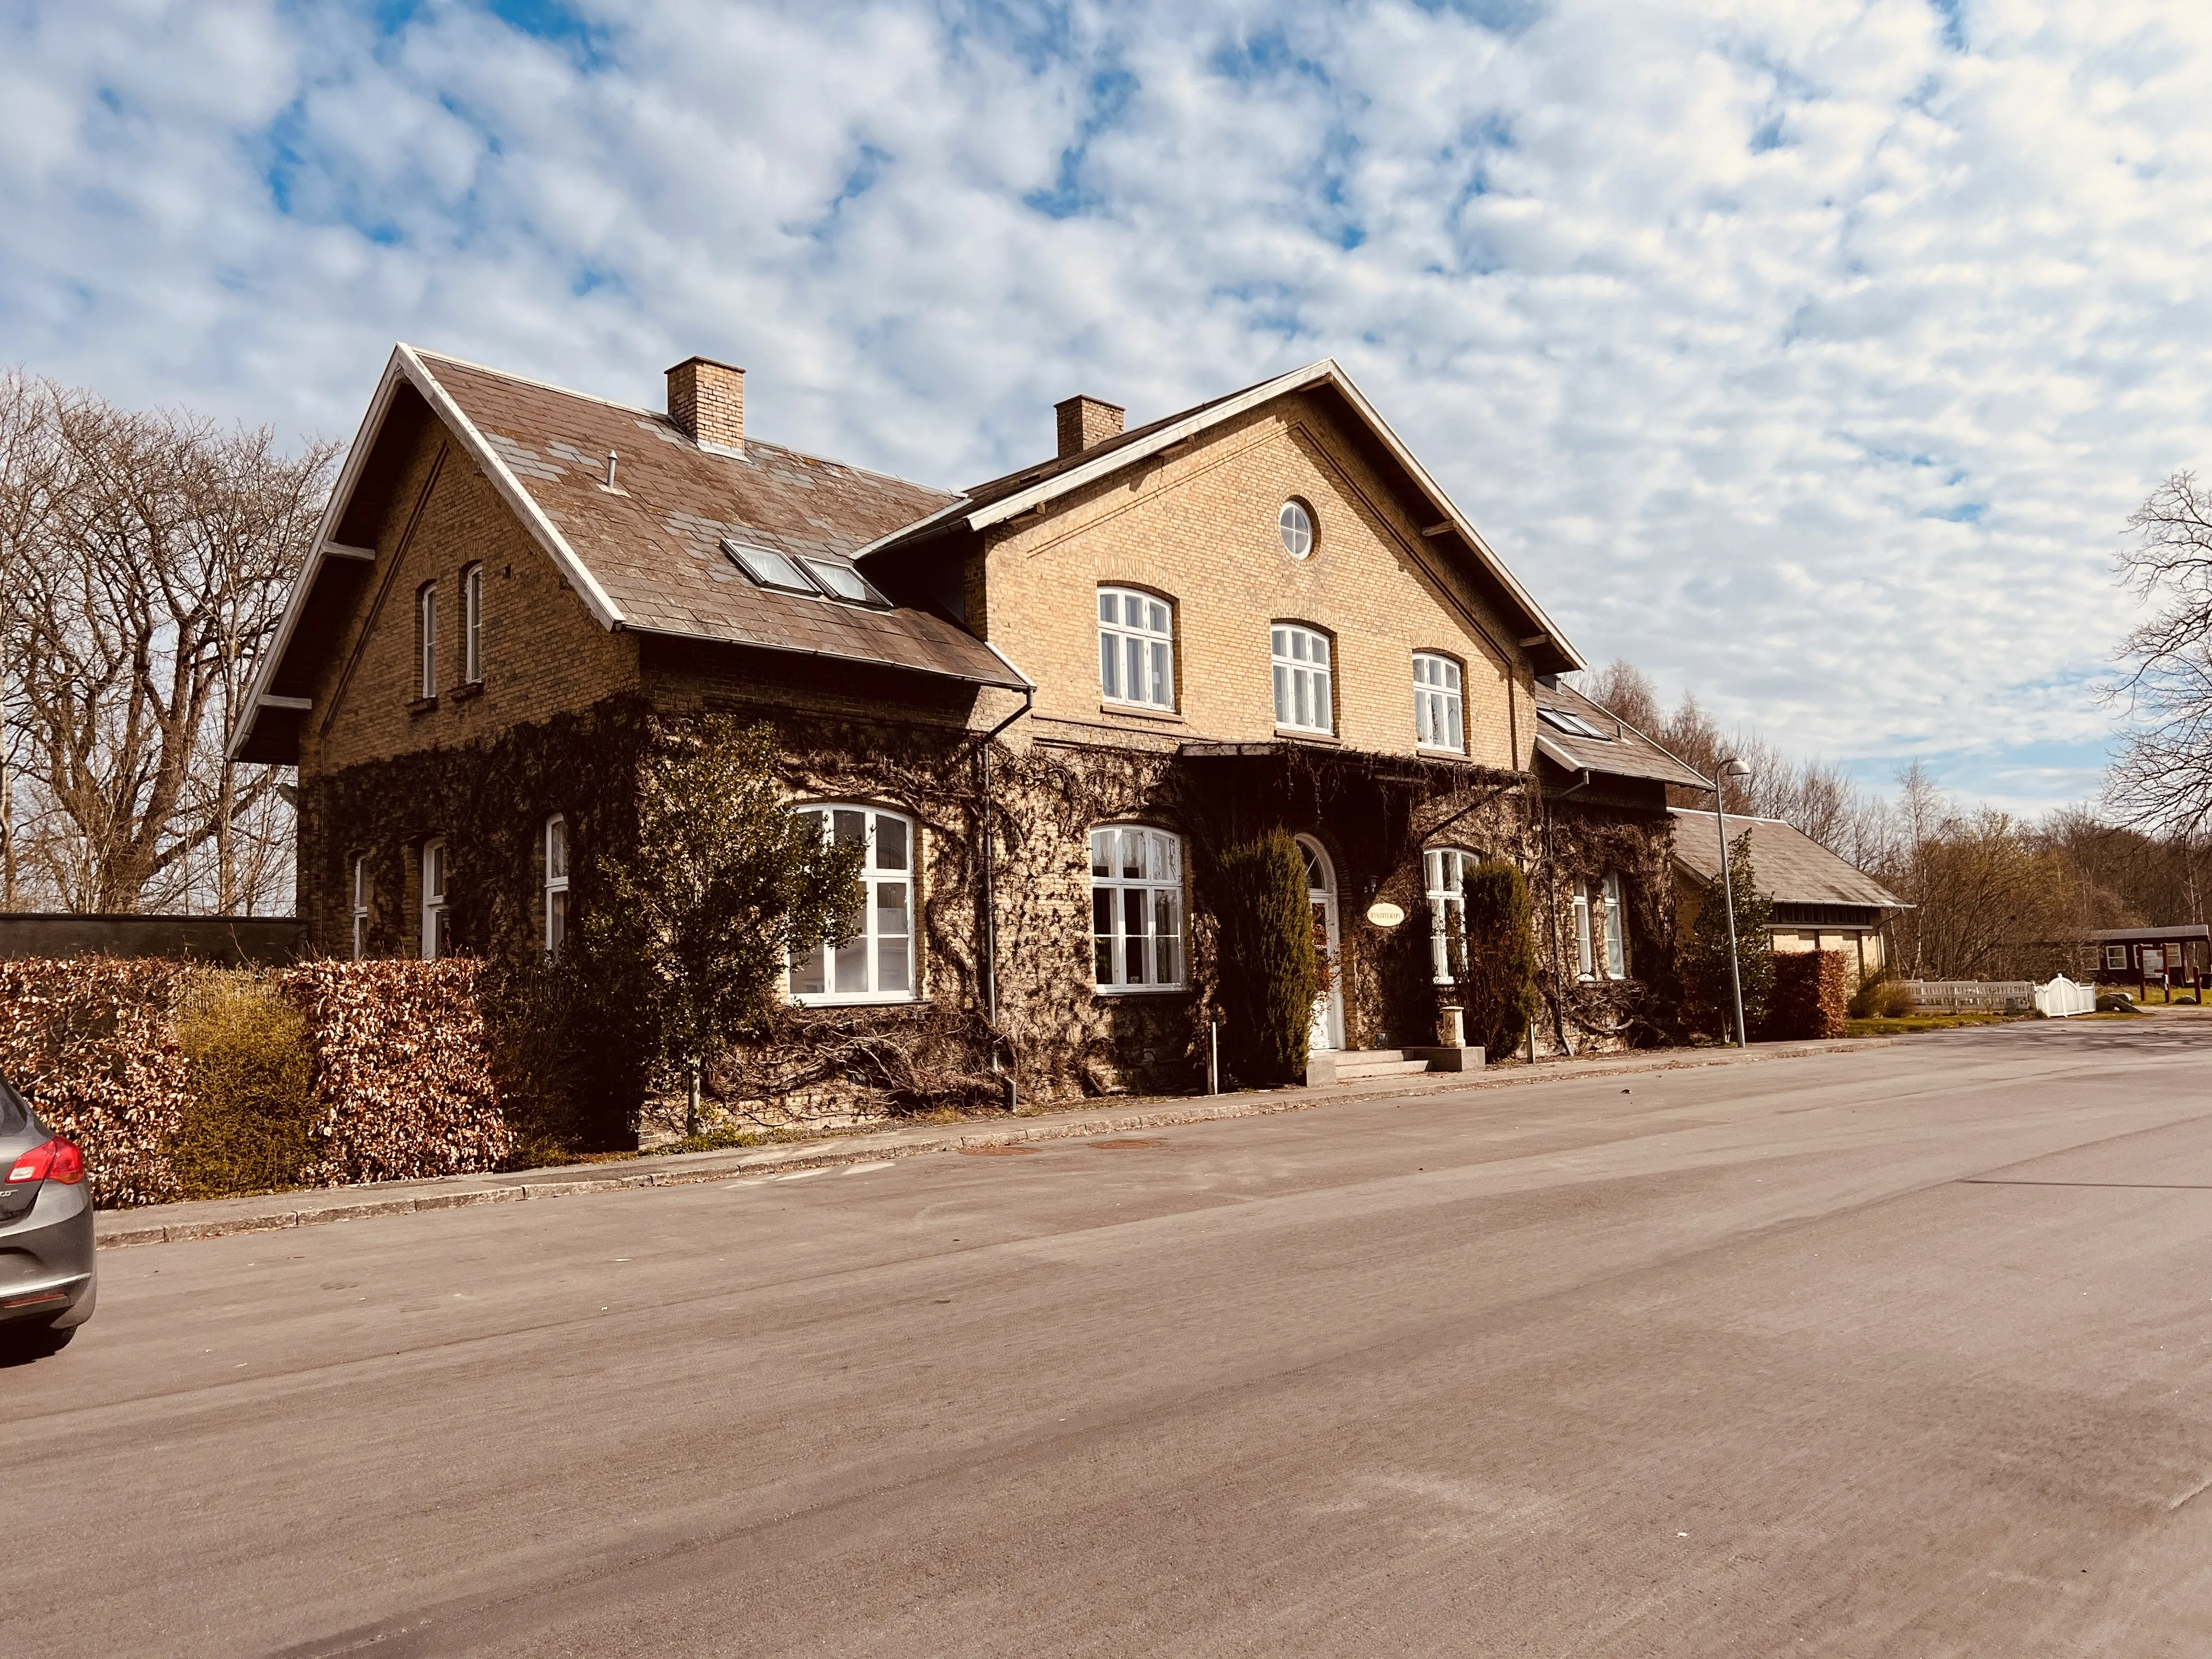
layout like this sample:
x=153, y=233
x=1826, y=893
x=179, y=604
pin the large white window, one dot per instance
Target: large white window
x=1446, y=872
x=1136, y=907
x=472, y=624
x=556, y=883
x=426, y=640
x=1302, y=702
x=1136, y=649
x=435, y=940
x=876, y=963
x=1616, y=930
x=360, y=906
x=1437, y=712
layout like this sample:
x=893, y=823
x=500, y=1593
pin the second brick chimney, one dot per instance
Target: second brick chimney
x=1084, y=422
x=707, y=400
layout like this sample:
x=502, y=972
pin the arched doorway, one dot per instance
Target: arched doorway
x=1329, y=1007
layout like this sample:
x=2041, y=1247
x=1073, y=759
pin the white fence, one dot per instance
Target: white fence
x=1988, y=996
x=2062, y=997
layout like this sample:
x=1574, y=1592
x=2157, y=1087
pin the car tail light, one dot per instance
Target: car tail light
x=58, y=1160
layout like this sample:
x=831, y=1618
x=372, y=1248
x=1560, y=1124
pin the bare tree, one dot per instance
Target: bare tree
x=2162, y=776
x=151, y=569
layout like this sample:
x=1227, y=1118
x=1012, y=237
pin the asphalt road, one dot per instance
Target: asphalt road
x=1900, y=1351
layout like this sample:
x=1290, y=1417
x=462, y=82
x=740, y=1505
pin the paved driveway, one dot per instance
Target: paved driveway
x=1898, y=1352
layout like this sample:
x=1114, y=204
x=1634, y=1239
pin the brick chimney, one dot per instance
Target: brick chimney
x=707, y=400
x=1084, y=422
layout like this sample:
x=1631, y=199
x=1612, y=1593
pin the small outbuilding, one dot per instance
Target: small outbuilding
x=1821, y=901
x=2173, y=956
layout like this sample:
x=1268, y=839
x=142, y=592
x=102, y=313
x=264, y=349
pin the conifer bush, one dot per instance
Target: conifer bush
x=1269, y=972
x=1498, y=959
x=1707, y=1003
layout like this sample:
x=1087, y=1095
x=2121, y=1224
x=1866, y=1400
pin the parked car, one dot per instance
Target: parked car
x=47, y=1284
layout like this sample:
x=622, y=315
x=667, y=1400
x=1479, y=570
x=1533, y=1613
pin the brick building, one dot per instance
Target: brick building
x=1039, y=702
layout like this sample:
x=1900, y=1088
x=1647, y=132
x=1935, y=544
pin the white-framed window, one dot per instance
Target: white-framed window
x=1616, y=929
x=1136, y=647
x=1438, y=712
x=876, y=963
x=1444, y=873
x=1300, y=659
x=556, y=883
x=1585, y=957
x=435, y=942
x=472, y=624
x=1296, y=525
x=2116, y=957
x=426, y=640
x=360, y=906
x=1136, y=907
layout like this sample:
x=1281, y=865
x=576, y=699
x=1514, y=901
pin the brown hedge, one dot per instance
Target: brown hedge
x=1810, y=995
x=92, y=1043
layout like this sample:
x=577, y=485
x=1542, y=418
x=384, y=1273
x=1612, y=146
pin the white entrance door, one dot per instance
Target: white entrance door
x=1329, y=1007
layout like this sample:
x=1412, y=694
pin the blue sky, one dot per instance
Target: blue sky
x=1811, y=355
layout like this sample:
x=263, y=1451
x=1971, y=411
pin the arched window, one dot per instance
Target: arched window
x=426, y=640
x=1438, y=717
x=875, y=963
x=556, y=883
x=1136, y=907
x=472, y=624
x=1302, y=698
x=434, y=939
x=1136, y=647
x=1443, y=871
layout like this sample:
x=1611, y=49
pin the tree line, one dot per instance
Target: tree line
x=145, y=557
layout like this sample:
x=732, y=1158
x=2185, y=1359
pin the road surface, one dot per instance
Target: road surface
x=1905, y=1351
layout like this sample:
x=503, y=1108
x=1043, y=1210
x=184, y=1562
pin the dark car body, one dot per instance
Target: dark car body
x=47, y=1282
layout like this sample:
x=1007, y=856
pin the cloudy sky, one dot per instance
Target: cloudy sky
x=1810, y=354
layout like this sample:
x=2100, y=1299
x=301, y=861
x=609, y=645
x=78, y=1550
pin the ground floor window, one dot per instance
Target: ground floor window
x=556, y=883
x=1136, y=907
x=435, y=942
x=1600, y=928
x=360, y=906
x=1616, y=930
x=1444, y=872
x=875, y=963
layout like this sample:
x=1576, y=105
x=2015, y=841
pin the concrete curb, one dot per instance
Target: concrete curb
x=172, y=1224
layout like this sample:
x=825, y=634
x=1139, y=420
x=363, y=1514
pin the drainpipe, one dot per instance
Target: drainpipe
x=1551, y=903
x=990, y=964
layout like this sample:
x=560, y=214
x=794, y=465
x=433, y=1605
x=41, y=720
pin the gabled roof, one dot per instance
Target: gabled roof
x=1016, y=493
x=1792, y=867
x=644, y=556
x=2179, y=930
x=1623, y=751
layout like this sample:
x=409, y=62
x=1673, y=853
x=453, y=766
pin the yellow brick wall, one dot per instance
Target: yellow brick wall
x=1200, y=529
x=544, y=652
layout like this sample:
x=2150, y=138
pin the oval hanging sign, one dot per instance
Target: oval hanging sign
x=1383, y=914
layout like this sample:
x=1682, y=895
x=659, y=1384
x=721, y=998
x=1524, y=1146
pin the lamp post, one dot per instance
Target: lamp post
x=1729, y=768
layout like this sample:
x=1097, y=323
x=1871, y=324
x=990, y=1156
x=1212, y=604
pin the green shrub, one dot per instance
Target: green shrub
x=1498, y=960
x=248, y=1121
x=1708, y=999
x=1269, y=972
x=1881, y=995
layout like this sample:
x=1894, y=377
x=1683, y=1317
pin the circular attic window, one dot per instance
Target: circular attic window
x=1295, y=522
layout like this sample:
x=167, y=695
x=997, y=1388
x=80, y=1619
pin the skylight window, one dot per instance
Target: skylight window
x=842, y=582
x=769, y=568
x=1573, y=724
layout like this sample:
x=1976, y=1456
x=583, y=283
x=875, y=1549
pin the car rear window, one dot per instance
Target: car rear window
x=14, y=1117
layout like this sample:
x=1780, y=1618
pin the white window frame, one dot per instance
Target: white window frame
x=1585, y=958
x=2116, y=958
x=1294, y=524
x=436, y=881
x=472, y=625
x=1443, y=872
x=1152, y=895
x=1616, y=928
x=1140, y=651
x=1439, y=702
x=1303, y=660
x=555, y=841
x=870, y=935
x=360, y=906
x=426, y=632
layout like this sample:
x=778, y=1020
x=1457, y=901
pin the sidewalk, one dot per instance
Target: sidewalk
x=214, y=1217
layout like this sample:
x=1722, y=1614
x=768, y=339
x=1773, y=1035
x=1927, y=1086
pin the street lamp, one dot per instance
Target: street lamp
x=1729, y=768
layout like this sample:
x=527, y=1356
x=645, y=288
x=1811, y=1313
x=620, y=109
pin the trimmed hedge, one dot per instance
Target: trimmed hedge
x=1809, y=999
x=180, y=1083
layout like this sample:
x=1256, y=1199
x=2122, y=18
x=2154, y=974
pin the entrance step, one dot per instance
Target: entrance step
x=1352, y=1064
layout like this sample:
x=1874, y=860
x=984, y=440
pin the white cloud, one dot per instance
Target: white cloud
x=1794, y=352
